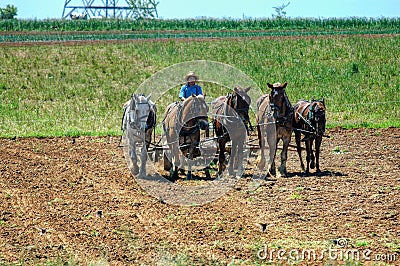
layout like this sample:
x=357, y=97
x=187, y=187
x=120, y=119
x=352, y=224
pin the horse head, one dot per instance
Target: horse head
x=278, y=100
x=317, y=115
x=240, y=101
x=194, y=112
x=140, y=109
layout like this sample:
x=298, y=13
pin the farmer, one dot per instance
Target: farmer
x=190, y=87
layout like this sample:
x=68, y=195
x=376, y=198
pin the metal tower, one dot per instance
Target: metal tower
x=100, y=8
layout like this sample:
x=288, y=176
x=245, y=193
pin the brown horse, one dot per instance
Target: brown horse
x=138, y=122
x=182, y=124
x=309, y=120
x=274, y=123
x=231, y=122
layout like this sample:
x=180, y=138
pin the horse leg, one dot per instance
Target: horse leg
x=190, y=158
x=308, y=157
x=312, y=163
x=173, y=173
x=132, y=153
x=240, y=158
x=183, y=155
x=143, y=160
x=232, y=159
x=297, y=136
x=285, y=146
x=318, y=141
x=175, y=158
x=167, y=162
x=261, y=142
x=221, y=157
x=207, y=173
x=272, y=153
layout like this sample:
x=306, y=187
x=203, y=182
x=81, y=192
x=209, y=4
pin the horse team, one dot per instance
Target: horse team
x=276, y=120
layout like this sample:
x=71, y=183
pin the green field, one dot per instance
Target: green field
x=64, y=90
x=309, y=24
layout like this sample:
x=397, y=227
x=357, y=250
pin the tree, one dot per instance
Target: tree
x=144, y=8
x=280, y=13
x=8, y=13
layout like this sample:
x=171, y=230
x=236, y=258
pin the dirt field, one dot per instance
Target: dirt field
x=75, y=200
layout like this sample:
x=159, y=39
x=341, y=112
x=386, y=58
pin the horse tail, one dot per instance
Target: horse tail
x=124, y=116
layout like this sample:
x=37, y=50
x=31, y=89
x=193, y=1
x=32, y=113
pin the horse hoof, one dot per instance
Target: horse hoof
x=270, y=174
x=261, y=165
x=208, y=176
x=142, y=174
x=232, y=173
x=282, y=172
x=173, y=174
x=135, y=170
x=282, y=175
x=312, y=165
x=189, y=175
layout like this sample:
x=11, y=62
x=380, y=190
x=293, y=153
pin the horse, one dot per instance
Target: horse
x=138, y=122
x=274, y=123
x=230, y=113
x=309, y=120
x=182, y=124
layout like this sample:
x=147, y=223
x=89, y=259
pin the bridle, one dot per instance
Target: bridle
x=137, y=121
x=186, y=129
x=315, y=120
x=243, y=112
x=275, y=111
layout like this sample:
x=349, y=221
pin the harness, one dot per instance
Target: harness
x=233, y=98
x=132, y=122
x=310, y=125
x=279, y=121
x=185, y=130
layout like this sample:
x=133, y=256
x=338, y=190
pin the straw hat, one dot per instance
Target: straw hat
x=190, y=76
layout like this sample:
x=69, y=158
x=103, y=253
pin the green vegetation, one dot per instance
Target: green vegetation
x=156, y=35
x=62, y=90
x=143, y=9
x=9, y=12
x=309, y=24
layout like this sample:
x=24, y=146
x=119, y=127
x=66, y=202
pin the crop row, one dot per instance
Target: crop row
x=97, y=36
x=201, y=24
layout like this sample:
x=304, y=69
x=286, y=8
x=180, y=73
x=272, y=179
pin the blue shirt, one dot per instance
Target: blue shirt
x=187, y=90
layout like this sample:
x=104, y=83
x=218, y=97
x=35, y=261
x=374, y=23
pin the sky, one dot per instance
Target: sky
x=237, y=9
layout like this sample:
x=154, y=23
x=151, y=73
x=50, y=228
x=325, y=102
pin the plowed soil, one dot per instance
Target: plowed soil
x=75, y=200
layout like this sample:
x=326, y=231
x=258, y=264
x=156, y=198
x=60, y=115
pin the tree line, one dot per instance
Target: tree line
x=9, y=12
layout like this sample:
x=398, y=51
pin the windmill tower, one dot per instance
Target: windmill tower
x=104, y=8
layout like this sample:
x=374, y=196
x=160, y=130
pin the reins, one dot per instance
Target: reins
x=307, y=121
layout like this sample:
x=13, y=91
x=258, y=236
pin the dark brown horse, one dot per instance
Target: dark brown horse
x=182, y=124
x=274, y=123
x=309, y=120
x=231, y=122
